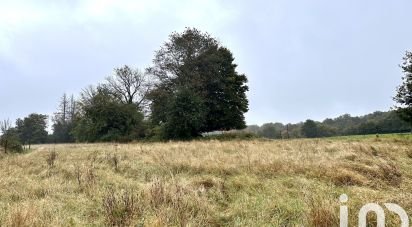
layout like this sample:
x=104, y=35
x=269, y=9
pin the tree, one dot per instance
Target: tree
x=404, y=92
x=222, y=88
x=325, y=130
x=310, y=129
x=5, y=126
x=130, y=86
x=368, y=127
x=271, y=130
x=185, y=112
x=253, y=129
x=32, y=129
x=64, y=120
x=9, y=139
x=193, y=63
x=104, y=118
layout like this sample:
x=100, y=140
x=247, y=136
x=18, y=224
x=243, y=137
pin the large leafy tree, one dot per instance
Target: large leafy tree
x=194, y=64
x=185, y=116
x=404, y=92
x=104, y=118
x=222, y=88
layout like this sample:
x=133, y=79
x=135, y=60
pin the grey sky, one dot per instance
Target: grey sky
x=304, y=59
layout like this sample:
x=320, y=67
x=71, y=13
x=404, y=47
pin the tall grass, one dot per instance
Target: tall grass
x=204, y=183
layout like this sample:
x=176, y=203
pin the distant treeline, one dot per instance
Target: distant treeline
x=374, y=123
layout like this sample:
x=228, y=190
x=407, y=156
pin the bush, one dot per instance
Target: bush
x=155, y=134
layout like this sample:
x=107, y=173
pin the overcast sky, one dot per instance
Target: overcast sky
x=304, y=59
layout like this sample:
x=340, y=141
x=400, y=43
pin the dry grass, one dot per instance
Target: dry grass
x=203, y=183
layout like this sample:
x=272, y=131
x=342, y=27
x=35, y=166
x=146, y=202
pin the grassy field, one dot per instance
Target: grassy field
x=205, y=183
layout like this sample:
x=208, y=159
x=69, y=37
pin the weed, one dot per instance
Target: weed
x=51, y=158
x=115, y=161
x=119, y=209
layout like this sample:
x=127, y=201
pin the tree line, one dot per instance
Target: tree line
x=397, y=120
x=29, y=130
x=374, y=123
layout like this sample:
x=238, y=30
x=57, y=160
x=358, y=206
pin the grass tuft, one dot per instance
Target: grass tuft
x=119, y=208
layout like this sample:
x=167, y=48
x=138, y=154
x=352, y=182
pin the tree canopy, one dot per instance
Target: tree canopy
x=105, y=118
x=9, y=139
x=64, y=120
x=129, y=86
x=194, y=64
x=404, y=92
x=32, y=129
x=310, y=129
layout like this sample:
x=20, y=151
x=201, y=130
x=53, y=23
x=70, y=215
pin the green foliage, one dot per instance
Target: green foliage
x=405, y=113
x=32, y=129
x=404, y=91
x=106, y=119
x=64, y=120
x=10, y=141
x=326, y=130
x=113, y=111
x=222, y=88
x=310, y=129
x=193, y=64
x=271, y=130
x=185, y=116
x=62, y=132
x=377, y=122
x=156, y=133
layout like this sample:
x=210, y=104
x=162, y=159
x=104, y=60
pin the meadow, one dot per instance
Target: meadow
x=205, y=183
